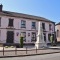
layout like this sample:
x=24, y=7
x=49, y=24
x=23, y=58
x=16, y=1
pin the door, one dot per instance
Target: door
x=10, y=37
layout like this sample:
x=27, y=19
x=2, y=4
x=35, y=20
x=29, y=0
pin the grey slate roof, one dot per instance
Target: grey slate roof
x=58, y=23
x=21, y=15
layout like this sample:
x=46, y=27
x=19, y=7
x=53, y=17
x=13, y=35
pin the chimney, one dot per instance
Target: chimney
x=1, y=6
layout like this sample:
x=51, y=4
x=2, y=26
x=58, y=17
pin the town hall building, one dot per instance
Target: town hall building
x=12, y=24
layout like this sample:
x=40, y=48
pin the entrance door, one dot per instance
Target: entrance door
x=10, y=37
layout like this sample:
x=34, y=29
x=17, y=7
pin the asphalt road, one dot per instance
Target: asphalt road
x=55, y=56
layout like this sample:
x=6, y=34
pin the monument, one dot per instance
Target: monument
x=40, y=43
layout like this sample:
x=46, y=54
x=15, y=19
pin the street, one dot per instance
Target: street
x=55, y=56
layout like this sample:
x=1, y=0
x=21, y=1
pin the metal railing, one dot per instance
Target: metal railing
x=24, y=51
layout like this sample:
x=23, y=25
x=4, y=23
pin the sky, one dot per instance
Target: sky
x=49, y=9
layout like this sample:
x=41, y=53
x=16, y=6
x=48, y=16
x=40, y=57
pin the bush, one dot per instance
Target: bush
x=21, y=42
x=12, y=46
x=6, y=46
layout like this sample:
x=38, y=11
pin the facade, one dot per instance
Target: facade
x=12, y=24
x=57, y=28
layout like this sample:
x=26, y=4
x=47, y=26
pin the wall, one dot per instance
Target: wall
x=18, y=29
x=57, y=27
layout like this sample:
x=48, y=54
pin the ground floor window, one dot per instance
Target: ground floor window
x=24, y=36
x=49, y=35
x=44, y=36
x=33, y=36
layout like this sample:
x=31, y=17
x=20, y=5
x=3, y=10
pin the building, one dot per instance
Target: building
x=57, y=28
x=12, y=24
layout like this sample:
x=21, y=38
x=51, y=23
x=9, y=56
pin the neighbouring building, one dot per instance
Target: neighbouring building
x=12, y=24
x=57, y=29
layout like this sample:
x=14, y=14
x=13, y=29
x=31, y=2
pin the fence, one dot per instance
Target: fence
x=24, y=51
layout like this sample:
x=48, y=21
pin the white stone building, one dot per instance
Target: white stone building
x=12, y=24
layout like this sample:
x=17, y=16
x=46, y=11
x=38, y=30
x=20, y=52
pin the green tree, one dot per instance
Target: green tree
x=21, y=42
x=51, y=39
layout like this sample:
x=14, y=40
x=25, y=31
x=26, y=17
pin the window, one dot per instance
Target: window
x=50, y=26
x=0, y=21
x=44, y=36
x=10, y=22
x=33, y=36
x=33, y=25
x=24, y=36
x=49, y=37
x=57, y=33
x=23, y=24
x=43, y=26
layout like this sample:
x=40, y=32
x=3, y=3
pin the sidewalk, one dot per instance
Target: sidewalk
x=13, y=52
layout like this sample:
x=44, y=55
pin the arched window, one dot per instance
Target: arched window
x=57, y=33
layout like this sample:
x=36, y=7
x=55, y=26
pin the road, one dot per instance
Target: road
x=55, y=56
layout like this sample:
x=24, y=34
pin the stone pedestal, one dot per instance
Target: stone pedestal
x=40, y=43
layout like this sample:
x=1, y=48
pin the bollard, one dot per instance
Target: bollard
x=26, y=50
x=3, y=50
x=36, y=50
x=15, y=51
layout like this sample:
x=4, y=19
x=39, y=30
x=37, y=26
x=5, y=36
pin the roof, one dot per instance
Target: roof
x=58, y=23
x=21, y=15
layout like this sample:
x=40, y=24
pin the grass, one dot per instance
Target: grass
x=9, y=46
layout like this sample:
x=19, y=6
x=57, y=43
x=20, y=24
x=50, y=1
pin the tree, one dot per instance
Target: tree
x=51, y=39
x=21, y=42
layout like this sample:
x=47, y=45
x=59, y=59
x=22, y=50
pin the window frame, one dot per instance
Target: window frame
x=57, y=33
x=44, y=36
x=32, y=37
x=11, y=22
x=43, y=26
x=24, y=38
x=49, y=35
x=50, y=26
x=23, y=24
x=34, y=25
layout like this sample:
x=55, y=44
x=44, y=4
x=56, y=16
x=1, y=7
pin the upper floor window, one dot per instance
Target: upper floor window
x=43, y=26
x=10, y=23
x=0, y=21
x=50, y=26
x=23, y=24
x=44, y=36
x=33, y=25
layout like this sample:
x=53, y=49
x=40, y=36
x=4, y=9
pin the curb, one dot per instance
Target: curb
x=28, y=55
